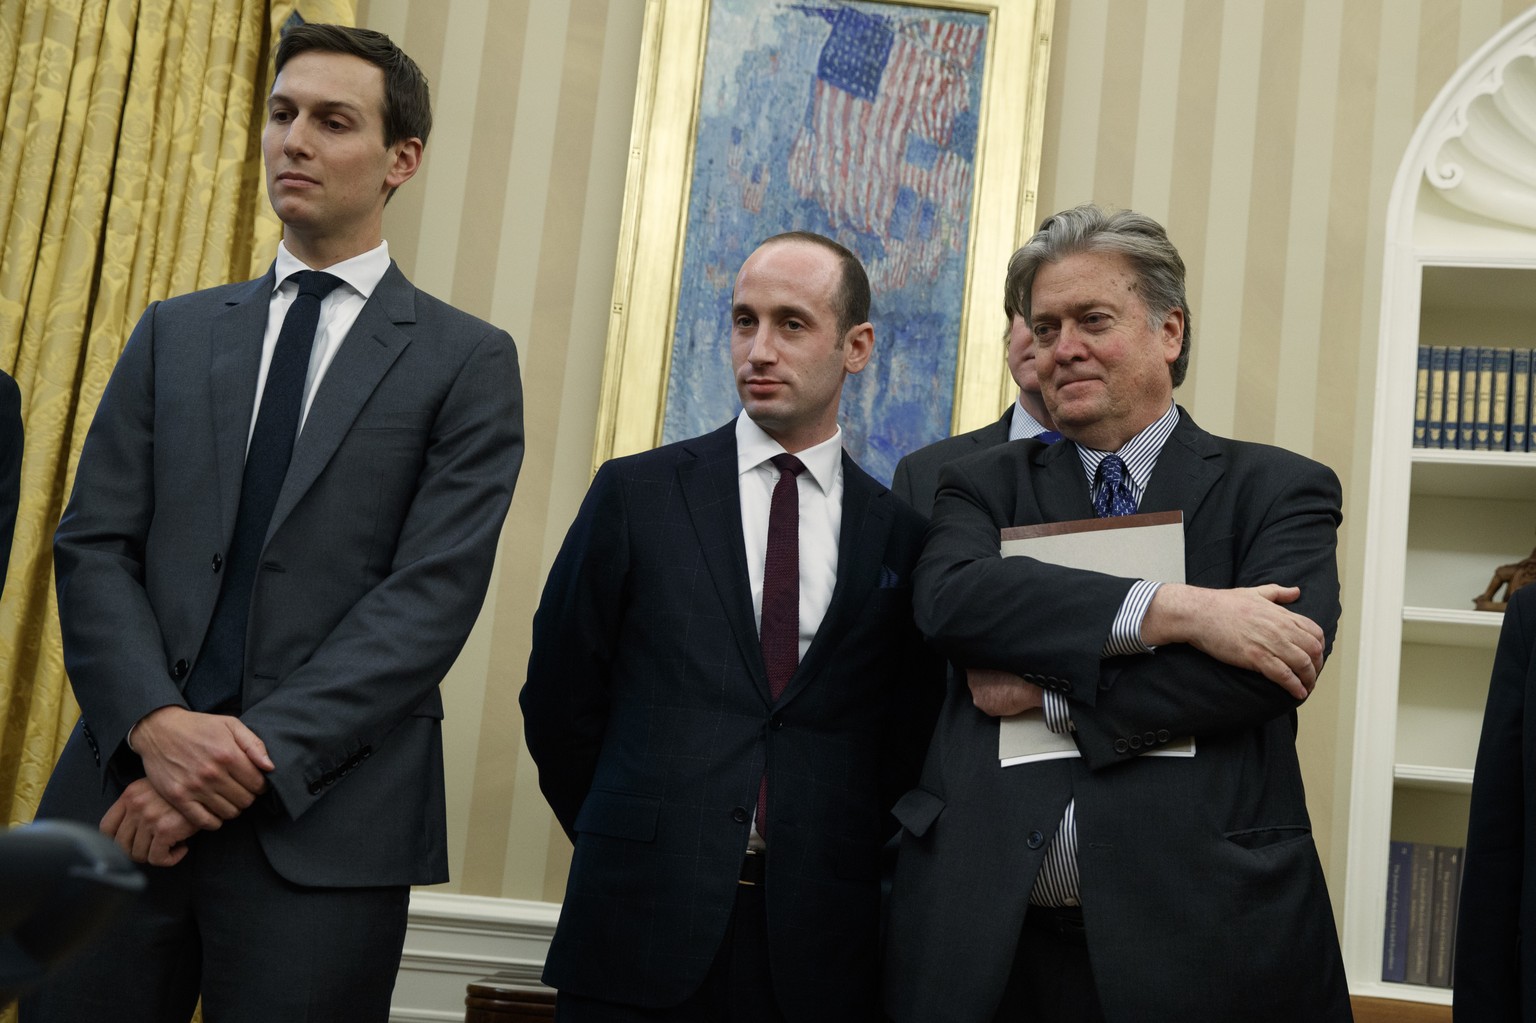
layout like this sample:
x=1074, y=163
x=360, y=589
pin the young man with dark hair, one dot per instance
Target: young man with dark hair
x=281, y=532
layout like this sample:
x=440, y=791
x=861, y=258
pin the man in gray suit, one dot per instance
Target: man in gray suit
x=255, y=623
x=1116, y=886
x=917, y=474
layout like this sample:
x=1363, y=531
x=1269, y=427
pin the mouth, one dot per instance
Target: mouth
x=761, y=387
x=296, y=179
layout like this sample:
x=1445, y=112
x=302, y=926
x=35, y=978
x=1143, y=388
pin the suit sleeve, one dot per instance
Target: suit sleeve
x=565, y=700
x=901, y=480
x=1049, y=623
x=395, y=645
x=10, y=467
x=1490, y=935
x=111, y=637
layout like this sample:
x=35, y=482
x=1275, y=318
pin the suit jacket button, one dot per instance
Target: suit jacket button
x=740, y=815
x=1035, y=840
x=1121, y=746
x=1027, y=677
x=1135, y=742
x=179, y=669
x=315, y=787
x=218, y=562
x=1150, y=739
x=1162, y=735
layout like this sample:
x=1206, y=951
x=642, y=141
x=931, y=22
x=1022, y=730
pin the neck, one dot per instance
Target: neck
x=319, y=253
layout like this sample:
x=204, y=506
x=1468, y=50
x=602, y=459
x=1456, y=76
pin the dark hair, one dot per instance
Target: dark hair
x=1156, y=264
x=853, y=289
x=407, y=101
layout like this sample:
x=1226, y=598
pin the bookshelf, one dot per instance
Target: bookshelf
x=1459, y=269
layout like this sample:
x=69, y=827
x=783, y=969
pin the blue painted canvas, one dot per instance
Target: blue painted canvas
x=857, y=121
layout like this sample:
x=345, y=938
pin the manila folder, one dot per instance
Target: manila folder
x=1147, y=546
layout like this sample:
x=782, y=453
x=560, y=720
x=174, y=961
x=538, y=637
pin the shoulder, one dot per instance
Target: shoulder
x=1265, y=463
x=220, y=295
x=708, y=448
x=958, y=446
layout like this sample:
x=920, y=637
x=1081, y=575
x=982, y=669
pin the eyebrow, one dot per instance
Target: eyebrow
x=778, y=312
x=323, y=106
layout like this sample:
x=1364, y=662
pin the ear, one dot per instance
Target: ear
x=1171, y=334
x=858, y=346
x=406, y=160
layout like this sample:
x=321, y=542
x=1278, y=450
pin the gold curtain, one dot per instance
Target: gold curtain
x=130, y=170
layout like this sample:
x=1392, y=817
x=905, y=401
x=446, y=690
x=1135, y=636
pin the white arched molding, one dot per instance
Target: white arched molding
x=1481, y=144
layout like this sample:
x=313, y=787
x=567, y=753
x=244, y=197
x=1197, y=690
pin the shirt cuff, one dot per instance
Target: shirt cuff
x=1125, y=633
x=1058, y=713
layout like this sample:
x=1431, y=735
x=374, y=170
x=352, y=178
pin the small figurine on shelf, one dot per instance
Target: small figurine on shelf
x=1509, y=577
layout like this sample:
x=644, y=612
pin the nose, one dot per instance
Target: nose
x=1070, y=344
x=761, y=350
x=296, y=138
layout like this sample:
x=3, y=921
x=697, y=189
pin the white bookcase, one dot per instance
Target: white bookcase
x=1459, y=269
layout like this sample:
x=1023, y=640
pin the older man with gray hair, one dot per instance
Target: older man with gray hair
x=1112, y=885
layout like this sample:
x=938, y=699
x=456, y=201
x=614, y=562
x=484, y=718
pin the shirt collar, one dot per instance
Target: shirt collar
x=1139, y=453
x=754, y=447
x=361, y=273
x=1023, y=425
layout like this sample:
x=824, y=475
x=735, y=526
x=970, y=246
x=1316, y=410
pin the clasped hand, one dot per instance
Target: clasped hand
x=200, y=770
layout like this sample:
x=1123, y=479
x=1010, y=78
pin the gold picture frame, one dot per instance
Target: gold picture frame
x=655, y=214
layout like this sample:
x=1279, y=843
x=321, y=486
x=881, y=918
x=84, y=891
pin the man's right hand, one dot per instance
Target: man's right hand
x=209, y=767
x=1246, y=628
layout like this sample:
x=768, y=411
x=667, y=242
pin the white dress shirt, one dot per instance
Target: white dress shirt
x=338, y=311
x=821, y=517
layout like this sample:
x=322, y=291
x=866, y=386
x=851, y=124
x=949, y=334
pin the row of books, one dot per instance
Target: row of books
x=1423, y=890
x=1475, y=398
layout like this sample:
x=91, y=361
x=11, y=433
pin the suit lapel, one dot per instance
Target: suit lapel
x=1055, y=475
x=1187, y=467
x=708, y=478
x=235, y=339
x=861, y=544
x=370, y=348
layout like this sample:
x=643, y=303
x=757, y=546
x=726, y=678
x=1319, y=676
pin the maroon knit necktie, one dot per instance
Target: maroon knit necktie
x=779, y=632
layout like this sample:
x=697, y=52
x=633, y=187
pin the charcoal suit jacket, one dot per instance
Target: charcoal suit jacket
x=648, y=712
x=1495, y=976
x=375, y=565
x=916, y=479
x=1202, y=891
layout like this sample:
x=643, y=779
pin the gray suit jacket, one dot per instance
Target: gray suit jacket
x=1202, y=891
x=916, y=479
x=377, y=560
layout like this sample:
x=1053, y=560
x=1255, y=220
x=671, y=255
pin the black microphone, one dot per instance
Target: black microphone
x=61, y=883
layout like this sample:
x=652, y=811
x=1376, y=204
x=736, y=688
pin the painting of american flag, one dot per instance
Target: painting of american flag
x=857, y=120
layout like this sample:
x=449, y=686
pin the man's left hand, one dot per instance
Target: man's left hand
x=1002, y=694
x=146, y=827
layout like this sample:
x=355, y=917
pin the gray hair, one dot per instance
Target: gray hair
x=1156, y=264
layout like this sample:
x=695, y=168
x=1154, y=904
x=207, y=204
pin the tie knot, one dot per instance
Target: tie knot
x=788, y=463
x=1112, y=470
x=316, y=283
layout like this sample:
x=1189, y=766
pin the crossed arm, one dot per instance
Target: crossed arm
x=1238, y=650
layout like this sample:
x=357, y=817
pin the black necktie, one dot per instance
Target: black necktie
x=779, y=631
x=215, y=682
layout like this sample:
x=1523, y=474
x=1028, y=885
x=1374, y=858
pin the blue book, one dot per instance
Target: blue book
x=1394, y=945
x=1466, y=438
x=1421, y=397
x=1520, y=400
x=1498, y=419
x=1434, y=424
x=1451, y=438
x=1482, y=434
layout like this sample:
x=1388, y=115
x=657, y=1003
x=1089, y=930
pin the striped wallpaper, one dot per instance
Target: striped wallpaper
x=1264, y=133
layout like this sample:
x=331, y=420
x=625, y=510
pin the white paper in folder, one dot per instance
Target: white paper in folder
x=1149, y=546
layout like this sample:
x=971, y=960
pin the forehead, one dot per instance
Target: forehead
x=322, y=77
x=1084, y=279
x=795, y=271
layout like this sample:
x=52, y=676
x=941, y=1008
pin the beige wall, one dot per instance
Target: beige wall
x=1265, y=135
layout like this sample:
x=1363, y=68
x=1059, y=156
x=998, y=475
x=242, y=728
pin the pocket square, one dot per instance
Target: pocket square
x=888, y=578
